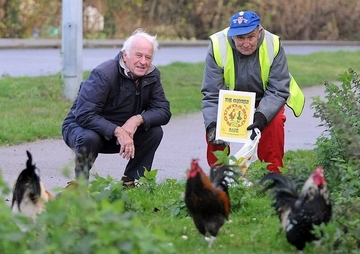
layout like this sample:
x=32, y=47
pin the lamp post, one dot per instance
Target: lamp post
x=72, y=47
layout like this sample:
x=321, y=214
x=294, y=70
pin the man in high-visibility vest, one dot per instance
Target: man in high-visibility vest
x=246, y=57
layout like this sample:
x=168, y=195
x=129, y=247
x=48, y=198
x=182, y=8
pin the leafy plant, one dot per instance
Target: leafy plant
x=178, y=205
x=149, y=179
x=338, y=152
x=85, y=220
x=340, y=114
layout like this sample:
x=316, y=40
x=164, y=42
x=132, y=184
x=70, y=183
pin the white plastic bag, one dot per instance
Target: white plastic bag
x=248, y=152
x=247, y=155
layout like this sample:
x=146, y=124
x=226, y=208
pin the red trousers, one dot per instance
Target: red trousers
x=271, y=144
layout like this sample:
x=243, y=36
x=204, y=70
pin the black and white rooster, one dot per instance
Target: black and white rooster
x=299, y=212
x=29, y=194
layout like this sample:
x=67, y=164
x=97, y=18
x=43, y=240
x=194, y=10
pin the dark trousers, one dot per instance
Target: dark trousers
x=87, y=144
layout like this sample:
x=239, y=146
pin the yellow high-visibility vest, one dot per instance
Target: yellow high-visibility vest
x=268, y=49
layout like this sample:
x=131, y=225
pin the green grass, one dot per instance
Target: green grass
x=315, y=68
x=33, y=108
x=253, y=226
x=182, y=84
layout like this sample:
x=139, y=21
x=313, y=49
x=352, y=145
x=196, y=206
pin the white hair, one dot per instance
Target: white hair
x=140, y=33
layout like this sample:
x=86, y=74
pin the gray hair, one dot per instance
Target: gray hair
x=140, y=33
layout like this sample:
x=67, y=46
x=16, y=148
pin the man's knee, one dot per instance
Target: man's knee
x=158, y=133
x=88, y=141
x=154, y=134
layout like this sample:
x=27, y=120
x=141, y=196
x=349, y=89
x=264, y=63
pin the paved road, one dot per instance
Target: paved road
x=183, y=136
x=39, y=62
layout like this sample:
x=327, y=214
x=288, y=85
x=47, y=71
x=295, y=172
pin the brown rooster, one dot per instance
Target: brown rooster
x=207, y=199
x=299, y=212
x=29, y=194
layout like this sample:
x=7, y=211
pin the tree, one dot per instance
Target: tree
x=10, y=24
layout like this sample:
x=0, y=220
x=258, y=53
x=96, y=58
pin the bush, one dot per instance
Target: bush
x=98, y=219
x=338, y=152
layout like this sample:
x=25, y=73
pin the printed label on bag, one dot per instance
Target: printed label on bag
x=235, y=114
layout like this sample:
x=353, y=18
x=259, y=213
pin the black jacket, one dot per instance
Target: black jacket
x=108, y=98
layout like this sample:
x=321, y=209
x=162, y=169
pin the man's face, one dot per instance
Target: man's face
x=140, y=57
x=247, y=43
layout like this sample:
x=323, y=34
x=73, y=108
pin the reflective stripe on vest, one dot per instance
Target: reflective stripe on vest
x=268, y=50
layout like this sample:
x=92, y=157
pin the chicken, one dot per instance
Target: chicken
x=207, y=199
x=29, y=194
x=299, y=212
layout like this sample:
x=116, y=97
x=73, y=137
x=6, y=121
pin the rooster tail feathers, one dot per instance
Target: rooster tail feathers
x=33, y=177
x=284, y=190
x=218, y=175
x=28, y=180
x=279, y=181
x=29, y=164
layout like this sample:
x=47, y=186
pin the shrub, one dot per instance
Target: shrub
x=338, y=152
x=98, y=219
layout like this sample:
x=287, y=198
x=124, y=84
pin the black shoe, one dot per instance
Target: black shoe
x=128, y=182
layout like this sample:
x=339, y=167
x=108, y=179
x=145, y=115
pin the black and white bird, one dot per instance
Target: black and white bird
x=300, y=212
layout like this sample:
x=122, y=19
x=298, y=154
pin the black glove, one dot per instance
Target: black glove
x=259, y=122
x=211, y=133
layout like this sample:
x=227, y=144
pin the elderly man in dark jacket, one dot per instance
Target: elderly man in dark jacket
x=120, y=108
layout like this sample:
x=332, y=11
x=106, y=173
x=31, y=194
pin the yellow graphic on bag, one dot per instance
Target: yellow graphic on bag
x=235, y=114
